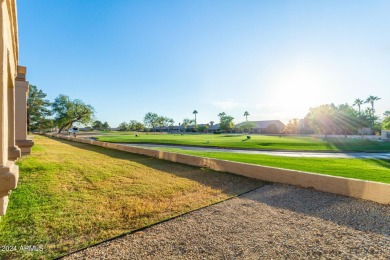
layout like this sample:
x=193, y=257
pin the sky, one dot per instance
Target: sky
x=274, y=59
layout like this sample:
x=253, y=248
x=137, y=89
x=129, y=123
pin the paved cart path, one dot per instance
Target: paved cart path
x=273, y=222
x=275, y=153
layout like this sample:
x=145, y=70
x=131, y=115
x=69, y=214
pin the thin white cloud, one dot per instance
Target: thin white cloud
x=267, y=107
x=227, y=104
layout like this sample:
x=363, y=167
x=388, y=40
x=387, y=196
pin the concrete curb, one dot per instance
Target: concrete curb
x=368, y=190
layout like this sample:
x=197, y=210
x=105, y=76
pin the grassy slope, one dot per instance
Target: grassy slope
x=260, y=142
x=364, y=169
x=71, y=195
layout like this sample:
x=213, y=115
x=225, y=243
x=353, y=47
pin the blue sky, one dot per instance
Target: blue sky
x=275, y=59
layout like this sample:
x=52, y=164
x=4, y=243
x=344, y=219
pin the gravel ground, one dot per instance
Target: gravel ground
x=274, y=222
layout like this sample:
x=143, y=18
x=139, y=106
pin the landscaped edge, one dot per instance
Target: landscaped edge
x=368, y=190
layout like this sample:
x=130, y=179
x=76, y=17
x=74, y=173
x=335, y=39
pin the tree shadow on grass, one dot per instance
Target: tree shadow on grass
x=382, y=162
x=357, y=145
x=227, y=183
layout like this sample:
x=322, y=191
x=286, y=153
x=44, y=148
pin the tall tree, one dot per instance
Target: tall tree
x=220, y=115
x=358, y=102
x=38, y=110
x=203, y=128
x=134, y=125
x=371, y=100
x=106, y=127
x=170, y=122
x=97, y=125
x=151, y=120
x=186, y=122
x=346, y=119
x=246, y=114
x=321, y=118
x=292, y=126
x=341, y=119
x=370, y=116
x=67, y=112
x=386, y=121
x=195, y=112
x=161, y=121
x=246, y=126
x=123, y=126
x=226, y=122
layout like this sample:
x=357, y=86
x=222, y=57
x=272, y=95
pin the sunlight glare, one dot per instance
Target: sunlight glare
x=297, y=89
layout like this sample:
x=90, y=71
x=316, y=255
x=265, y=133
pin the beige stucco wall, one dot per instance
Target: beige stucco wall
x=368, y=190
x=21, y=94
x=9, y=151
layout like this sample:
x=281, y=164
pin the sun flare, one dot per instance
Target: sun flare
x=297, y=89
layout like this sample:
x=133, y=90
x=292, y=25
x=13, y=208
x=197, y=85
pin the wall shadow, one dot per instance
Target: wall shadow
x=355, y=213
x=230, y=184
x=358, y=214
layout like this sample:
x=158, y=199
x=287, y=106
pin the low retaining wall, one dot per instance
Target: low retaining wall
x=368, y=190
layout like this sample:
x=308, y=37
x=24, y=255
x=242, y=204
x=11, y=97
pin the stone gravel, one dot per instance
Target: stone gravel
x=273, y=222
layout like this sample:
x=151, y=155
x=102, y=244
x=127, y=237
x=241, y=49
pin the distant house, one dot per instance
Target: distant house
x=87, y=128
x=385, y=134
x=213, y=128
x=266, y=126
x=365, y=131
x=174, y=128
x=182, y=129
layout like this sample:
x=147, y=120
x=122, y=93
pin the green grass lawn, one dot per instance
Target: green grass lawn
x=365, y=169
x=71, y=195
x=260, y=142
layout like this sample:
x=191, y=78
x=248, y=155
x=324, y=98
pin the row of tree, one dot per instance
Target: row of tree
x=98, y=125
x=340, y=119
x=325, y=119
x=133, y=125
x=62, y=113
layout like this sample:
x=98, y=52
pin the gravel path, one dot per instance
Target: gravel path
x=360, y=155
x=274, y=222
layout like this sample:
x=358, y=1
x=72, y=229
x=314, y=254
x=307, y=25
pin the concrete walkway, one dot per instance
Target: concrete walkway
x=274, y=153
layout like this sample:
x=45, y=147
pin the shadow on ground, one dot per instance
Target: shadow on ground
x=358, y=145
x=231, y=184
x=367, y=216
x=358, y=214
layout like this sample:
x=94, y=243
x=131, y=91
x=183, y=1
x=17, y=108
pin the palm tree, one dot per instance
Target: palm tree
x=246, y=114
x=371, y=100
x=170, y=121
x=358, y=102
x=195, y=112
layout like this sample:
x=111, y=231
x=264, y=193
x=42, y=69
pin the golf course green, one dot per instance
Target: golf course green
x=256, y=142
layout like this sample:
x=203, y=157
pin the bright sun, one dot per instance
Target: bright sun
x=297, y=89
